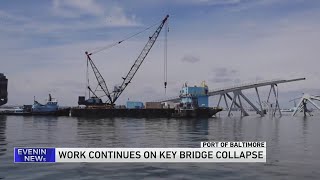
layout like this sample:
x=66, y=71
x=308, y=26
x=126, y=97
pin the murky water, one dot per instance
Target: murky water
x=293, y=146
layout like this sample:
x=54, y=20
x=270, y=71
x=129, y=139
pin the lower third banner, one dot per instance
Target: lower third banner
x=136, y=155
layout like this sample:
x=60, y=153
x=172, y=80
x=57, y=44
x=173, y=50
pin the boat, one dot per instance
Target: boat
x=51, y=106
x=288, y=110
x=16, y=111
x=194, y=102
x=3, y=89
x=19, y=110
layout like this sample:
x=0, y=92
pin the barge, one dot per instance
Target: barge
x=143, y=113
x=110, y=112
x=193, y=103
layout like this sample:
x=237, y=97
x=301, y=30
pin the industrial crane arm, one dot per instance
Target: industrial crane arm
x=99, y=78
x=139, y=60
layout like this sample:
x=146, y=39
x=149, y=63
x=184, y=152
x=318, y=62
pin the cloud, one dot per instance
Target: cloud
x=218, y=2
x=235, y=5
x=117, y=17
x=210, y=2
x=190, y=59
x=225, y=80
x=6, y=17
x=225, y=75
x=224, y=71
x=221, y=80
x=75, y=8
x=67, y=16
x=108, y=15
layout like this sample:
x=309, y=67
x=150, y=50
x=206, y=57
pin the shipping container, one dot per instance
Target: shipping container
x=153, y=105
x=169, y=105
x=135, y=105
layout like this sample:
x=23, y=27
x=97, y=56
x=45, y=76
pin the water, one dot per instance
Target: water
x=293, y=146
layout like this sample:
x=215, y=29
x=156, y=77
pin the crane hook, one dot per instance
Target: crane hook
x=165, y=87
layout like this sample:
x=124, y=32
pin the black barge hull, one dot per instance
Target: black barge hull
x=200, y=112
x=140, y=113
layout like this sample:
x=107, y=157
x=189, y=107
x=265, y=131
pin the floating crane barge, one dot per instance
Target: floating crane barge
x=94, y=106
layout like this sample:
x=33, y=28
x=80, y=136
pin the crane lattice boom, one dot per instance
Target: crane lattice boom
x=139, y=60
x=112, y=97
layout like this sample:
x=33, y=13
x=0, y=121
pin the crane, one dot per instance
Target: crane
x=118, y=90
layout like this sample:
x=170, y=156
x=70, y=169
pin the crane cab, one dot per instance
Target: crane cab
x=90, y=101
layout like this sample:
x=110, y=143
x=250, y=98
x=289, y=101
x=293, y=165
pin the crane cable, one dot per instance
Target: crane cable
x=87, y=74
x=166, y=57
x=96, y=50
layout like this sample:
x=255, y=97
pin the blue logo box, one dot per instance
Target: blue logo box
x=34, y=155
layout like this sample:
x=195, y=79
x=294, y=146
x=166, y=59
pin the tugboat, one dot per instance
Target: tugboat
x=194, y=102
x=51, y=106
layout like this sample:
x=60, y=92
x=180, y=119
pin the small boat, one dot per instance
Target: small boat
x=15, y=111
x=18, y=110
x=51, y=106
x=289, y=110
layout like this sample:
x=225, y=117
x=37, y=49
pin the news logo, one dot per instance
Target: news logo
x=34, y=155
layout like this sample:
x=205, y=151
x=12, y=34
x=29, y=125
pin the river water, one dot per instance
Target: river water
x=293, y=146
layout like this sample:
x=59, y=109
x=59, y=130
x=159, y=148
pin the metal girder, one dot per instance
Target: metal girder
x=261, y=109
x=277, y=102
x=234, y=102
x=219, y=100
x=225, y=100
x=298, y=107
x=241, y=107
x=251, y=104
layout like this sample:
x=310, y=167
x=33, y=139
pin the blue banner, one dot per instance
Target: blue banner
x=33, y=155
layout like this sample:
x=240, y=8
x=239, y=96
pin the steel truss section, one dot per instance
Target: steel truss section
x=236, y=101
x=238, y=95
x=302, y=105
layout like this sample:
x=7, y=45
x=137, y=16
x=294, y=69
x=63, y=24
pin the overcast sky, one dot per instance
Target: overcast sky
x=223, y=42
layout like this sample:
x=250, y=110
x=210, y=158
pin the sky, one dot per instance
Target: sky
x=222, y=42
